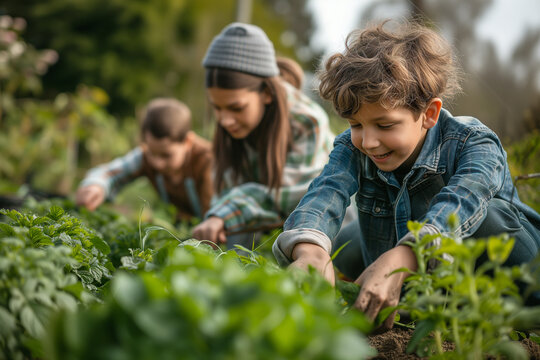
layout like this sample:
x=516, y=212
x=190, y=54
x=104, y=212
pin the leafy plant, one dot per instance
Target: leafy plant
x=475, y=306
x=55, y=228
x=207, y=304
x=34, y=282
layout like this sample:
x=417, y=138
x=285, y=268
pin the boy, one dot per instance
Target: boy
x=177, y=162
x=405, y=158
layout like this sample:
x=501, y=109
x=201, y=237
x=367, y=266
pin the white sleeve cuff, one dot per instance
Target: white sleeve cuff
x=287, y=240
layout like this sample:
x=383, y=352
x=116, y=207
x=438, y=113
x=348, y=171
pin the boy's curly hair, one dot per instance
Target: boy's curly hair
x=408, y=68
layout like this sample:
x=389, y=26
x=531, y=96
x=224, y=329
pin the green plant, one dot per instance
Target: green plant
x=55, y=228
x=475, y=306
x=34, y=282
x=207, y=304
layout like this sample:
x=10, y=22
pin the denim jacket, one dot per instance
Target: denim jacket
x=461, y=167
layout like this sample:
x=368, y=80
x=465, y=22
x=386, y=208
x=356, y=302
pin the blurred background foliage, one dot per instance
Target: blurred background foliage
x=136, y=50
x=75, y=74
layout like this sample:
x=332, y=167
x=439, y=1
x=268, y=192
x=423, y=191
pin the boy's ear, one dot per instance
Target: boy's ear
x=431, y=114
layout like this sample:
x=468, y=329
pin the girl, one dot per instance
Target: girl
x=270, y=139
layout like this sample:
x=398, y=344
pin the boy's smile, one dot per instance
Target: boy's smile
x=391, y=138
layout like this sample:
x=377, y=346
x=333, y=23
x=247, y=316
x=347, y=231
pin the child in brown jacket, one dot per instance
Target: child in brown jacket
x=177, y=162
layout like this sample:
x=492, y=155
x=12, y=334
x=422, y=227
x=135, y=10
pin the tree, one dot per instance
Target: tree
x=136, y=50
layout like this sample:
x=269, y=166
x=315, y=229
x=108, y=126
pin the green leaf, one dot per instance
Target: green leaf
x=339, y=250
x=383, y=315
x=423, y=328
x=85, y=276
x=8, y=321
x=96, y=272
x=349, y=291
x=283, y=335
x=31, y=322
x=7, y=230
x=76, y=289
x=55, y=213
x=128, y=291
x=402, y=269
x=510, y=350
x=453, y=221
x=65, y=301
x=527, y=318
x=499, y=248
x=12, y=214
x=414, y=227
x=35, y=234
x=100, y=244
x=535, y=338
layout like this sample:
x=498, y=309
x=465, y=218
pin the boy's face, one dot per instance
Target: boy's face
x=238, y=111
x=390, y=138
x=164, y=155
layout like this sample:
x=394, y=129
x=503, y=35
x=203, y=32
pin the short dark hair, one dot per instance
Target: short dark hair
x=166, y=117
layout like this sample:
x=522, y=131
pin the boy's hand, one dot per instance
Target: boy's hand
x=305, y=254
x=212, y=229
x=90, y=196
x=379, y=289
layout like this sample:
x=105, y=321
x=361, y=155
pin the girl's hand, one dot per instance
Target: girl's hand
x=379, y=289
x=90, y=196
x=305, y=254
x=212, y=229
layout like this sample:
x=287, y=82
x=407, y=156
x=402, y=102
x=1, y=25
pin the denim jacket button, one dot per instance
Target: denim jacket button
x=377, y=209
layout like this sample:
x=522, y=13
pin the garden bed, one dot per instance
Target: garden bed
x=392, y=345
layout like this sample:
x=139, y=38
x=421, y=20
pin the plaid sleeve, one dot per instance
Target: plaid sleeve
x=312, y=144
x=114, y=175
x=245, y=206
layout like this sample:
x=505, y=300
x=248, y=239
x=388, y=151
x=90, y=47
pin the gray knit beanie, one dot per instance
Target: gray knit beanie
x=244, y=48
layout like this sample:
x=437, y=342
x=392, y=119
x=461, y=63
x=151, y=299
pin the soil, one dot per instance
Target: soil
x=392, y=345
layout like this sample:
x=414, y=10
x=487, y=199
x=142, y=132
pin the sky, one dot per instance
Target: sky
x=504, y=22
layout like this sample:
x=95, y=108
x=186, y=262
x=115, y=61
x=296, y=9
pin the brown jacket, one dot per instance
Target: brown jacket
x=190, y=192
x=197, y=169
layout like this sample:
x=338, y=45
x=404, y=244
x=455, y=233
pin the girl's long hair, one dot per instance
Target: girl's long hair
x=271, y=138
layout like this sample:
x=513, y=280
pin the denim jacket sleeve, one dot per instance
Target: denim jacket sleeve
x=478, y=175
x=318, y=216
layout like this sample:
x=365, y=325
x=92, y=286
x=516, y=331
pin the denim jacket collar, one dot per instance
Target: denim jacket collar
x=428, y=160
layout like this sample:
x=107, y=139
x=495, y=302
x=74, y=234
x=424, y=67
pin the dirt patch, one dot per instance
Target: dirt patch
x=532, y=348
x=392, y=345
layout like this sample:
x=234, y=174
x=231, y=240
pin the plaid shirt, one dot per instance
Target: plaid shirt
x=251, y=204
